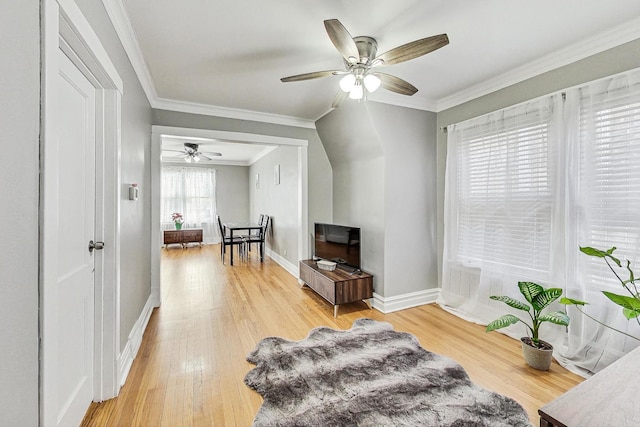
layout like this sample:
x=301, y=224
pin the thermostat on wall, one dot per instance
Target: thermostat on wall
x=133, y=192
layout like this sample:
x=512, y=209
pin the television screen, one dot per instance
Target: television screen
x=338, y=243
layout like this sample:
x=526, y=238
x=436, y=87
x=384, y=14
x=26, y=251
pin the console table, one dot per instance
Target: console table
x=182, y=237
x=337, y=286
x=609, y=398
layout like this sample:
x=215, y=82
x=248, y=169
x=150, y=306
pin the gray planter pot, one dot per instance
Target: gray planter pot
x=535, y=357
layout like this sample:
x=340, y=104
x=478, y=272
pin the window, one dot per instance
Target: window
x=504, y=193
x=609, y=132
x=190, y=191
x=525, y=188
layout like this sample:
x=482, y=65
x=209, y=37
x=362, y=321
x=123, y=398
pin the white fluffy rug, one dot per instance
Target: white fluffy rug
x=369, y=375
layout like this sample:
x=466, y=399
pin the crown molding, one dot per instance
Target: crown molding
x=231, y=113
x=227, y=136
x=261, y=154
x=416, y=103
x=587, y=47
x=205, y=163
x=120, y=20
x=388, y=98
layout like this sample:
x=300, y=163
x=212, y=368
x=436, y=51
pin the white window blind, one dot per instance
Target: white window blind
x=610, y=175
x=504, y=191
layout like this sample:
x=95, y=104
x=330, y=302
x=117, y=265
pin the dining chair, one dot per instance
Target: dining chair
x=254, y=232
x=226, y=240
x=259, y=238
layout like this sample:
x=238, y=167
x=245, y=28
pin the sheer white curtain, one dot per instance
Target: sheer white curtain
x=190, y=191
x=498, y=207
x=605, y=203
x=524, y=189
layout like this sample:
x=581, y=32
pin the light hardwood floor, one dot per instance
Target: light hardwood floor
x=191, y=363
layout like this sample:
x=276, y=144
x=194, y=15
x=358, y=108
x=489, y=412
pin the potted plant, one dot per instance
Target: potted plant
x=178, y=220
x=630, y=303
x=537, y=353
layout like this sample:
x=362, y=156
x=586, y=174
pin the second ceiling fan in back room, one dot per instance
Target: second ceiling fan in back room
x=193, y=155
x=361, y=63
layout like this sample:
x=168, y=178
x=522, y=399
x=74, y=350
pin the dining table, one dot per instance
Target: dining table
x=239, y=226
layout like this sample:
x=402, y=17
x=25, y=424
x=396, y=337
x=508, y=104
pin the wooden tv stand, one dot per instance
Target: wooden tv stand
x=337, y=286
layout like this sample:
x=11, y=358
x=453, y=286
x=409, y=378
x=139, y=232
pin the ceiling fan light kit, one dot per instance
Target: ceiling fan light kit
x=372, y=82
x=360, y=60
x=347, y=82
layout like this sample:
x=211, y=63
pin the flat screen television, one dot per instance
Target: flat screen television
x=338, y=243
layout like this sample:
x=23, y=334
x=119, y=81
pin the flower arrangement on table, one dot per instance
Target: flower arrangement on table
x=178, y=220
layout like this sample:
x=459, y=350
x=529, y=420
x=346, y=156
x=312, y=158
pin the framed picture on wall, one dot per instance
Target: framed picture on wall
x=276, y=174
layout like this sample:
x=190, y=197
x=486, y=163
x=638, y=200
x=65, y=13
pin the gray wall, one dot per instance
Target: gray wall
x=280, y=201
x=320, y=181
x=232, y=192
x=384, y=160
x=612, y=61
x=357, y=158
x=135, y=227
x=19, y=189
x=408, y=137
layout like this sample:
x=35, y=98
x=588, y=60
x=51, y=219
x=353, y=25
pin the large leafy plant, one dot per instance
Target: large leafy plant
x=538, y=298
x=630, y=303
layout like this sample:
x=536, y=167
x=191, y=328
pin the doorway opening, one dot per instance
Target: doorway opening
x=164, y=136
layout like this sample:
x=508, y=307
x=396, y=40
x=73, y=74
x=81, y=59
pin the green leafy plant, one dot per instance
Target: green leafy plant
x=630, y=303
x=539, y=298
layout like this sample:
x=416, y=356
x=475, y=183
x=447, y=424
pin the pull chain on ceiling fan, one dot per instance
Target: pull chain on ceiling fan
x=360, y=60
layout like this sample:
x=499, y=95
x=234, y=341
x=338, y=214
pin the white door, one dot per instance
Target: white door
x=76, y=98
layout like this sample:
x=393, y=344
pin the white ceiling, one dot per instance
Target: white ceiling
x=227, y=57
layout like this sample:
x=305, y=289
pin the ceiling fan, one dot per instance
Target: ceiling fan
x=191, y=153
x=361, y=62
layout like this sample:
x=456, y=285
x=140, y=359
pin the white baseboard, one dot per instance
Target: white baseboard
x=125, y=360
x=380, y=303
x=401, y=302
x=292, y=269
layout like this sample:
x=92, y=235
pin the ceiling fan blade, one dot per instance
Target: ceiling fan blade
x=211, y=154
x=342, y=40
x=309, y=76
x=413, y=50
x=339, y=98
x=174, y=151
x=396, y=84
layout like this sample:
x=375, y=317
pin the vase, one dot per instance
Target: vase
x=178, y=226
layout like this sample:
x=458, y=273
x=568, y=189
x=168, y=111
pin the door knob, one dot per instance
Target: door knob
x=98, y=246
